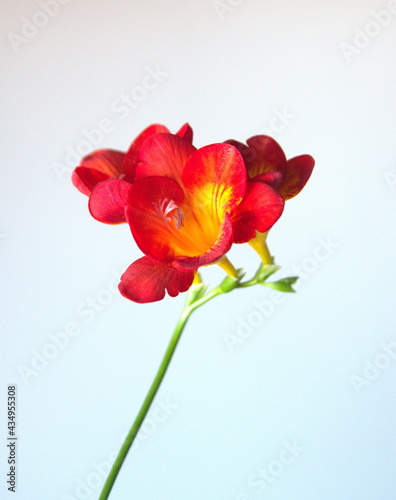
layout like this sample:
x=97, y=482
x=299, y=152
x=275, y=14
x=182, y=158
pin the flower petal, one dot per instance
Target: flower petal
x=96, y=167
x=165, y=155
x=260, y=209
x=239, y=145
x=263, y=155
x=273, y=179
x=108, y=201
x=220, y=248
x=215, y=179
x=186, y=133
x=146, y=281
x=132, y=155
x=149, y=216
x=298, y=171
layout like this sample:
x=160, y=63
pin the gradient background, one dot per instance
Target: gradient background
x=228, y=67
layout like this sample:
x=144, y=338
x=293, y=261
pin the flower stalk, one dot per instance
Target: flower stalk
x=108, y=486
x=196, y=297
x=186, y=207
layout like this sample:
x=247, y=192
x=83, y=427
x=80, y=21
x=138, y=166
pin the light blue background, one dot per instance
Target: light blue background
x=229, y=68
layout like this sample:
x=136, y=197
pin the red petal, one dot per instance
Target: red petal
x=108, y=201
x=273, y=179
x=215, y=177
x=132, y=155
x=220, y=248
x=165, y=155
x=298, y=172
x=263, y=155
x=155, y=236
x=146, y=281
x=239, y=145
x=260, y=209
x=97, y=167
x=186, y=133
x=85, y=179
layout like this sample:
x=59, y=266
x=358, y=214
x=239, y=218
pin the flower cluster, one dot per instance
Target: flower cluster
x=187, y=206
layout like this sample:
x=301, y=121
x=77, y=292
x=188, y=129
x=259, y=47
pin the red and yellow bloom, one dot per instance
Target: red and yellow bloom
x=183, y=212
x=185, y=206
x=107, y=199
x=266, y=162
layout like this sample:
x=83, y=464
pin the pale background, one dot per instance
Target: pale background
x=306, y=375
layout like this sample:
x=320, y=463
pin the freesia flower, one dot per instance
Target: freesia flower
x=92, y=176
x=185, y=208
x=266, y=162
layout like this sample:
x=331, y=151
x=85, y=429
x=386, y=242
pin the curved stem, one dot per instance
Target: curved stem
x=195, y=299
x=146, y=404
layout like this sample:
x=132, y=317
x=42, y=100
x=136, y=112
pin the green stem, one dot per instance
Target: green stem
x=195, y=299
x=146, y=404
x=188, y=309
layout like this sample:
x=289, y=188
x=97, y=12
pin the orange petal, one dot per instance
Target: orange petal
x=215, y=181
x=149, y=214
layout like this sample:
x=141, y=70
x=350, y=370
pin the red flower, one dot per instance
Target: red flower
x=266, y=162
x=185, y=209
x=117, y=169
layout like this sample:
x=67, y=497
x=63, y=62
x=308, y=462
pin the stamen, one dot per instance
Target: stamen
x=179, y=218
x=164, y=207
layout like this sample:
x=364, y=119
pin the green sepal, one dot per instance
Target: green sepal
x=282, y=285
x=231, y=282
x=265, y=272
x=195, y=292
